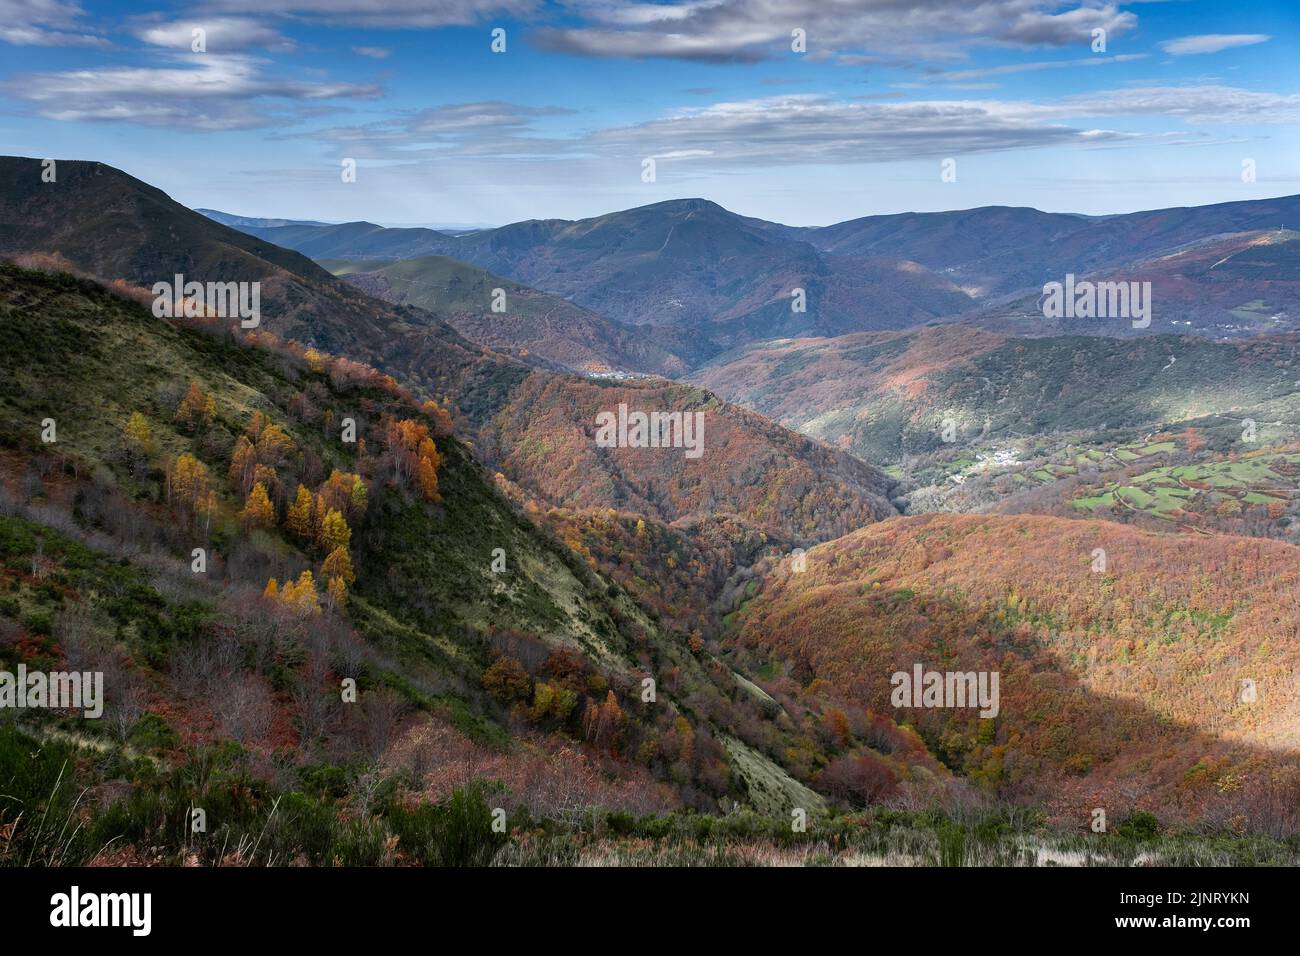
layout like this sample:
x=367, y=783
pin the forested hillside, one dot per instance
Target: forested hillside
x=1124, y=656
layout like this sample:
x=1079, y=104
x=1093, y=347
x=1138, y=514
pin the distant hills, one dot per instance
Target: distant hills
x=241, y=222
x=883, y=396
x=534, y=326
x=999, y=250
x=719, y=281
x=716, y=279
x=1236, y=285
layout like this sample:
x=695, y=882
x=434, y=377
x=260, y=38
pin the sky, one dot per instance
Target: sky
x=807, y=112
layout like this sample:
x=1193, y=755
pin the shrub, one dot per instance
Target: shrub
x=457, y=832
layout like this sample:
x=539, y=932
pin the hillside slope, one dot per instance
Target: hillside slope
x=794, y=489
x=884, y=396
x=91, y=359
x=112, y=226
x=461, y=620
x=1119, y=688
x=529, y=325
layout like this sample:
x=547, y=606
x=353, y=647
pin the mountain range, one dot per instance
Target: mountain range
x=500, y=583
x=720, y=281
x=154, y=237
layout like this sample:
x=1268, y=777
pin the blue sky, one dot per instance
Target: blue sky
x=444, y=130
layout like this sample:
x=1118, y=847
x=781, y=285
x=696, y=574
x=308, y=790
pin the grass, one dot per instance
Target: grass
x=1263, y=480
x=251, y=823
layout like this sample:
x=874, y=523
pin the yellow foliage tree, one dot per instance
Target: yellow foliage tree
x=427, y=477
x=138, y=436
x=243, y=461
x=415, y=455
x=196, y=408
x=337, y=593
x=188, y=484
x=338, y=564
x=358, y=495
x=442, y=424
x=319, y=510
x=273, y=446
x=299, y=518
x=301, y=595
x=255, y=426
x=258, y=511
x=334, y=531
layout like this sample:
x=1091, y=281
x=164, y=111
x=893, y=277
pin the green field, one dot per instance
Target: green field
x=1195, y=489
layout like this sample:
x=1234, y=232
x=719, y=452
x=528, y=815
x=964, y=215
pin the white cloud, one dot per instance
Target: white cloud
x=1211, y=42
x=374, y=52
x=774, y=131
x=208, y=92
x=1087, y=62
x=806, y=129
x=44, y=23
x=750, y=30
x=222, y=34
x=386, y=13
x=1207, y=104
x=483, y=129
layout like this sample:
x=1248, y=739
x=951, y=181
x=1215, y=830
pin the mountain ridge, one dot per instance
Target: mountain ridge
x=721, y=280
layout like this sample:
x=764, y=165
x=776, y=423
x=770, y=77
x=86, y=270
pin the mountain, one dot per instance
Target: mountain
x=791, y=488
x=530, y=325
x=1120, y=688
x=519, y=418
x=479, y=643
x=998, y=250
x=356, y=240
x=242, y=222
x=720, y=281
x=107, y=224
x=885, y=396
x=715, y=278
x=682, y=262
x=1234, y=285
x=985, y=251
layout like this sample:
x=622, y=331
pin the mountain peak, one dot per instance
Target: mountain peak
x=694, y=204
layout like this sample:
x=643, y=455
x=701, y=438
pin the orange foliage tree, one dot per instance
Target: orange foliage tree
x=414, y=455
x=189, y=485
x=197, y=408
